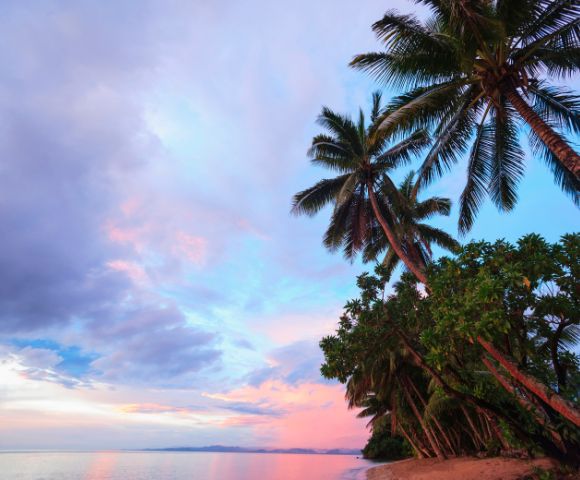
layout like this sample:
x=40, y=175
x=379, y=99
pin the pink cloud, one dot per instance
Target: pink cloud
x=153, y=408
x=245, y=421
x=320, y=427
x=194, y=248
x=130, y=206
x=133, y=236
x=316, y=415
x=246, y=226
x=287, y=327
x=132, y=269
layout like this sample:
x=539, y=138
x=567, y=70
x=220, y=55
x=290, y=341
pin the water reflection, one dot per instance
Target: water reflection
x=177, y=466
x=102, y=467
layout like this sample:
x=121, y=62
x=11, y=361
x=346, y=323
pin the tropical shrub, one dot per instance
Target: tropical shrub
x=484, y=359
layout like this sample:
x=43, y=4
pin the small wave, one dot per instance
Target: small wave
x=356, y=473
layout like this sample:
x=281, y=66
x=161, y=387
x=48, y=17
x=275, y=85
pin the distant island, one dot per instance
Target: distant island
x=222, y=449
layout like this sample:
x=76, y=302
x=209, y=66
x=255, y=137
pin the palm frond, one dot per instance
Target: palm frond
x=375, y=243
x=517, y=15
x=395, y=29
x=451, y=139
x=407, y=186
x=421, y=108
x=356, y=233
x=552, y=16
x=407, y=69
x=565, y=37
x=563, y=177
x=507, y=164
x=343, y=127
x=329, y=153
x=313, y=199
x=403, y=152
x=348, y=188
x=556, y=62
x=478, y=175
x=438, y=237
x=376, y=106
x=390, y=262
x=433, y=206
x=338, y=227
x=556, y=105
x=570, y=336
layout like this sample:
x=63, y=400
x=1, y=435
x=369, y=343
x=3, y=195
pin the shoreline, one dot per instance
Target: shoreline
x=461, y=468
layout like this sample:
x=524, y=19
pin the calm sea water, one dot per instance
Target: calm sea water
x=178, y=466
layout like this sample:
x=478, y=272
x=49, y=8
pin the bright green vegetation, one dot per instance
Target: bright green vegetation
x=473, y=352
x=423, y=362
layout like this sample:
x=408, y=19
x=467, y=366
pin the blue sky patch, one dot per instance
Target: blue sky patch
x=74, y=362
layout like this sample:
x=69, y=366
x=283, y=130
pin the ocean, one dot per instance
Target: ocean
x=115, y=465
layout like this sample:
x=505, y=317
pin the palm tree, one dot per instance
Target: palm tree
x=416, y=236
x=382, y=385
x=362, y=157
x=476, y=70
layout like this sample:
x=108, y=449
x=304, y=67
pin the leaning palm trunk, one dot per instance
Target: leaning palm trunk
x=478, y=441
x=435, y=420
x=526, y=404
x=417, y=450
x=428, y=432
x=484, y=422
x=475, y=443
x=496, y=431
x=557, y=145
x=419, y=440
x=551, y=398
x=393, y=241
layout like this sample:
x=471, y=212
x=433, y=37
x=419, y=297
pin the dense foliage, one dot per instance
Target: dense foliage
x=383, y=445
x=424, y=361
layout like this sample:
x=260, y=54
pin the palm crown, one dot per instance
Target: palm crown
x=362, y=157
x=475, y=72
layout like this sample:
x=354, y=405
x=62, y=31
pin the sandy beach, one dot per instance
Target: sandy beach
x=459, y=469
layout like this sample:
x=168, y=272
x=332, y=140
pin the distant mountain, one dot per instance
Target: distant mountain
x=222, y=448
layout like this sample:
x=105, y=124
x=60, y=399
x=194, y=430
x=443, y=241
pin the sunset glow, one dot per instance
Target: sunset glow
x=155, y=290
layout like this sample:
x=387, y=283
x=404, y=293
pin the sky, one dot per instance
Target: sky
x=154, y=289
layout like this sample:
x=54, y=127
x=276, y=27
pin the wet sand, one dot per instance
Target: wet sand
x=466, y=468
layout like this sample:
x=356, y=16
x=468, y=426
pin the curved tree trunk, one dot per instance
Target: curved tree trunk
x=484, y=422
x=497, y=432
x=557, y=145
x=419, y=417
x=559, y=404
x=474, y=442
x=417, y=450
x=526, y=404
x=420, y=442
x=435, y=420
x=478, y=441
x=393, y=241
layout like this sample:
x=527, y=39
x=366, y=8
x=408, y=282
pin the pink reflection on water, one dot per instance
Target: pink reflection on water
x=213, y=467
x=178, y=466
x=102, y=467
x=240, y=466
